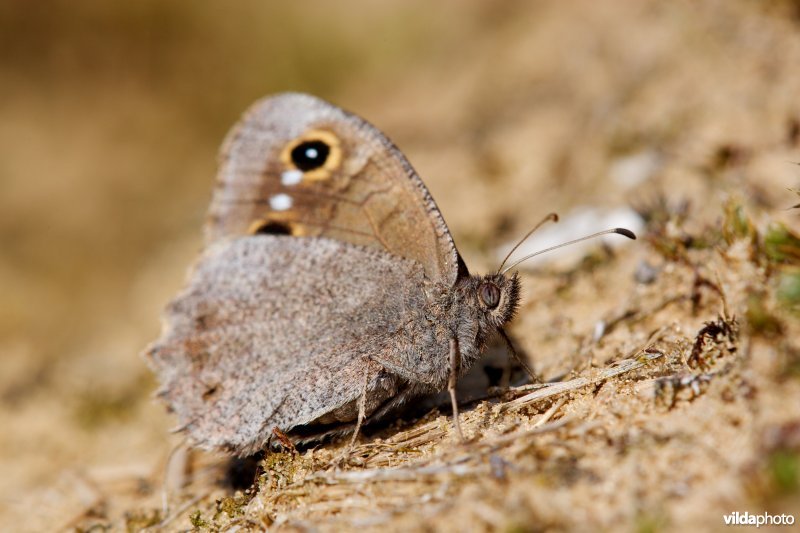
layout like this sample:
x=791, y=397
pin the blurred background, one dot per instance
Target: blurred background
x=111, y=115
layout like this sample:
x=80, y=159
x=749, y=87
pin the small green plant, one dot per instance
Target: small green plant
x=784, y=468
x=737, y=224
x=788, y=291
x=196, y=518
x=781, y=245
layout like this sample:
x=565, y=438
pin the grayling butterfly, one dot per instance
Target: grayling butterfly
x=330, y=290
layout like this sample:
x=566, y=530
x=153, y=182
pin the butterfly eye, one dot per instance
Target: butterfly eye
x=489, y=294
x=309, y=155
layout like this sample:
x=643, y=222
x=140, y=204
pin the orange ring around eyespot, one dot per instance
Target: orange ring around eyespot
x=333, y=162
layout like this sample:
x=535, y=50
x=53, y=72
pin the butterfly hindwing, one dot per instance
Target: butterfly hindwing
x=242, y=354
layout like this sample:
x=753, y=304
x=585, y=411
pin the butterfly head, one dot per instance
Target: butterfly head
x=497, y=296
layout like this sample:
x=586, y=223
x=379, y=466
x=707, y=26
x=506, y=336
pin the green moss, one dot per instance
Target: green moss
x=517, y=527
x=784, y=469
x=788, y=291
x=737, y=224
x=94, y=528
x=650, y=522
x=232, y=506
x=139, y=520
x=781, y=245
x=197, y=521
x=279, y=470
x=760, y=319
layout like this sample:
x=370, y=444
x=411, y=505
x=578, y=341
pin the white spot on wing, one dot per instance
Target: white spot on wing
x=291, y=177
x=280, y=202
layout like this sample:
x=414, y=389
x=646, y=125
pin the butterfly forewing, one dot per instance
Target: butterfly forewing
x=298, y=166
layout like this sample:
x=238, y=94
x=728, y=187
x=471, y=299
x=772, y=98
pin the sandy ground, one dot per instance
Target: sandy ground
x=674, y=360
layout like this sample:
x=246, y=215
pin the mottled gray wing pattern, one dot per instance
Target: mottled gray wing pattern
x=276, y=331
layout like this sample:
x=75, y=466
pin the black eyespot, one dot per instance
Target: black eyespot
x=489, y=294
x=273, y=228
x=309, y=155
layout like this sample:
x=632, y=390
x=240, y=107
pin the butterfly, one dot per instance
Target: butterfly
x=329, y=290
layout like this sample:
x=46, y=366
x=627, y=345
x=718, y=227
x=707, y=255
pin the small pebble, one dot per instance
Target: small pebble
x=645, y=273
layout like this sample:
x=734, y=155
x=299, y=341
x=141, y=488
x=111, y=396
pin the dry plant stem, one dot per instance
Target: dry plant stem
x=626, y=365
x=425, y=469
x=550, y=412
x=502, y=440
x=179, y=511
x=92, y=497
x=726, y=314
x=632, y=316
x=455, y=367
x=400, y=474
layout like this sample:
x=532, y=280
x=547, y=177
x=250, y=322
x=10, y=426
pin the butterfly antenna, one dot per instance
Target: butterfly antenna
x=551, y=217
x=620, y=231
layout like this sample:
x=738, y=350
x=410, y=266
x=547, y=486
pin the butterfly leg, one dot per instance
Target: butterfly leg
x=518, y=358
x=455, y=367
x=362, y=408
x=284, y=440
